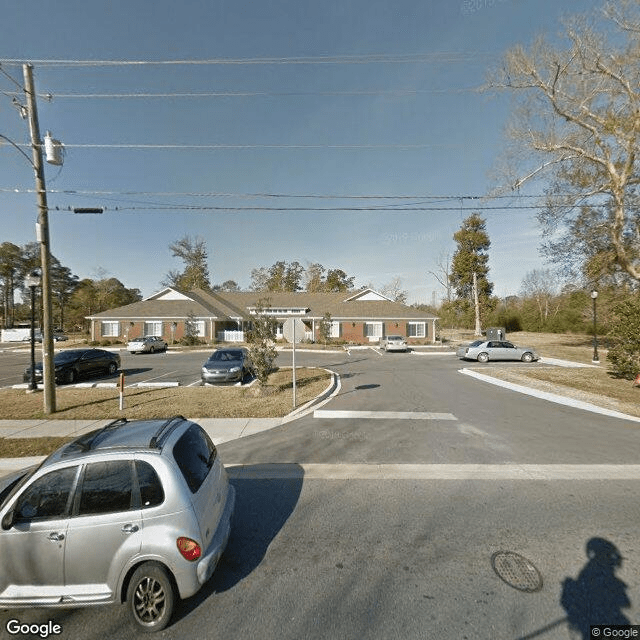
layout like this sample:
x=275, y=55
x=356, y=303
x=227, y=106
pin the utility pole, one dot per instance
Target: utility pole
x=476, y=304
x=42, y=227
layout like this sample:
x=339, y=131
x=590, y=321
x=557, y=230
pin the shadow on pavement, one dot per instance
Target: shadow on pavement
x=595, y=597
x=266, y=495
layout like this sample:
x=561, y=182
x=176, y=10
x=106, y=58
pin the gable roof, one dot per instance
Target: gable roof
x=170, y=303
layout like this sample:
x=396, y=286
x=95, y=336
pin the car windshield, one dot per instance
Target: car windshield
x=476, y=343
x=226, y=356
x=12, y=483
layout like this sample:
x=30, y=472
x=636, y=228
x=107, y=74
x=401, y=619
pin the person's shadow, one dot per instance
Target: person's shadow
x=596, y=596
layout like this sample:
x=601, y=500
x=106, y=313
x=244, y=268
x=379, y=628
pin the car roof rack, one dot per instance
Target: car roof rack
x=89, y=440
x=163, y=432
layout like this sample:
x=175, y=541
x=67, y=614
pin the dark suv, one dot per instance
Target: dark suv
x=136, y=512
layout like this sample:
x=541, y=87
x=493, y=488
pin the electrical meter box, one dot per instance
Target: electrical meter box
x=496, y=333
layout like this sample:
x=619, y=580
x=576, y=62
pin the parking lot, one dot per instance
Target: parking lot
x=176, y=367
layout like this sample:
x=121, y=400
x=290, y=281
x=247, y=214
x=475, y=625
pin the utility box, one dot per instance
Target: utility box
x=496, y=333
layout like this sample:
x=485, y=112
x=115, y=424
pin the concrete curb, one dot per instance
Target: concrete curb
x=551, y=397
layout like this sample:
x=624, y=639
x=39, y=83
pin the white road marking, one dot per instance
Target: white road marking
x=147, y=380
x=543, y=472
x=383, y=415
x=551, y=397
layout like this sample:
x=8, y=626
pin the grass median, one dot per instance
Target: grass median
x=593, y=384
x=275, y=400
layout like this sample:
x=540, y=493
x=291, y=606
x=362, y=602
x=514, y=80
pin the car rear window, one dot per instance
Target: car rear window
x=194, y=453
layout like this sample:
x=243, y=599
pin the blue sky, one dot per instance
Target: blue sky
x=333, y=98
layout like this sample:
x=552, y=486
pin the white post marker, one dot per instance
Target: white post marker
x=294, y=363
x=121, y=387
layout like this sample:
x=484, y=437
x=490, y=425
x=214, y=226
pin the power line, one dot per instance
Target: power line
x=387, y=208
x=441, y=57
x=216, y=146
x=219, y=194
x=259, y=94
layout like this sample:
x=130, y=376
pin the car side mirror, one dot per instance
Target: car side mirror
x=8, y=520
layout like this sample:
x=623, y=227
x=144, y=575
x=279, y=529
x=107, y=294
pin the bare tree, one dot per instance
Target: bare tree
x=194, y=255
x=577, y=126
x=542, y=286
x=443, y=275
x=393, y=289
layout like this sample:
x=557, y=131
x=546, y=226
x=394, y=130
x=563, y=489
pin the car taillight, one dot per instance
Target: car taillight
x=189, y=548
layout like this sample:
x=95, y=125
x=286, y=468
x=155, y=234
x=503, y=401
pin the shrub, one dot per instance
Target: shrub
x=624, y=355
x=260, y=340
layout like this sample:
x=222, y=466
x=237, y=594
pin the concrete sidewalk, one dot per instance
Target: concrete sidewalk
x=219, y=429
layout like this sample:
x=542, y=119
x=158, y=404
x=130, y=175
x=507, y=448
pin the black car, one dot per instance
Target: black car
x=73, y=364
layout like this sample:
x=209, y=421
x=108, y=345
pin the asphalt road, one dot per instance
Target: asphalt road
x=381, y=516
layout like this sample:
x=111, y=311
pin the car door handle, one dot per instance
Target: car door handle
x=56, y=536
x=130, y=528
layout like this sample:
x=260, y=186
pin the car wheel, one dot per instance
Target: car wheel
x=112, y=368
x=70, y=376
x=527, y=357
x=150, y=597
x=483, y=357
x=152, y=350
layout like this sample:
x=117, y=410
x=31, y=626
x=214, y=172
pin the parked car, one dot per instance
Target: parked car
x=393, y=343
x=136, y=512
x=37, y=337
x=73, y=364
x=148, y=344
x=485, y=350
x=227, y=365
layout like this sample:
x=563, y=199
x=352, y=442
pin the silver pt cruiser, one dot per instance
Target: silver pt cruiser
x=136, y=512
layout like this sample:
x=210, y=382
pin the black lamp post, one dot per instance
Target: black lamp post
x=594, y=295
x=32, y=281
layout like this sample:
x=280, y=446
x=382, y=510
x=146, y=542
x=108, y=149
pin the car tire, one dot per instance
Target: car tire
x=150, y=597
x=112, y=368
x=152, y=350
x=483, y=357
x=70, y=376
x=527, y=357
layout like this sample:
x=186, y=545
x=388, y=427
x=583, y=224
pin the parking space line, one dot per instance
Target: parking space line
x=164, y=375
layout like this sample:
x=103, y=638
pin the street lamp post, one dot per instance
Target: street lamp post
x=594, y=295
x=32, y=281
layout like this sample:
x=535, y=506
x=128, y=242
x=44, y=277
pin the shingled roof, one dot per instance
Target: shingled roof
x=172, y=304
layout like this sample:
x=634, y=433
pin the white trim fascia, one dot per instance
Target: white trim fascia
x=367, y=291
x=159, y=295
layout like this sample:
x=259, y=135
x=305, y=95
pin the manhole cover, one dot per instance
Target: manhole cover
x=516, y=571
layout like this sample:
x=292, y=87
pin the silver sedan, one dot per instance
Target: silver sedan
x=485, y=350
x=149, y=344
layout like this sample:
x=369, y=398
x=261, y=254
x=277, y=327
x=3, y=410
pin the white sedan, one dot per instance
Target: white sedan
x=485, y=350
x=393, y=343
x=149, y=344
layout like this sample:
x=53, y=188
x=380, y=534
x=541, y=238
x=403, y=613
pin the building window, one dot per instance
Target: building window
x=200, y=328
x=110, y=329
x=373, y=329
x=416, y=330
x=153, y=328
x=334, y=330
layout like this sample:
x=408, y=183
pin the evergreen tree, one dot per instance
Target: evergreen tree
x=471, y=258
